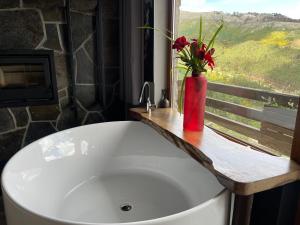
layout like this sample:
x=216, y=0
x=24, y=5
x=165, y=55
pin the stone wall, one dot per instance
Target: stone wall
x=40, y=24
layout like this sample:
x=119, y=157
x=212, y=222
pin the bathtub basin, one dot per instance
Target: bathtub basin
x=110, y=173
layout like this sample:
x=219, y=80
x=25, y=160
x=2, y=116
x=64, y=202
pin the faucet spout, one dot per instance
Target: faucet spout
x=142, y=92
x=149, y=105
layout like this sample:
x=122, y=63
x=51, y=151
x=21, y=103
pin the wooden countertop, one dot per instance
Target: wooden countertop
x=242, y=170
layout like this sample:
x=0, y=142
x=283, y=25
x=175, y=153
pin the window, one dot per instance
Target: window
x=253, y=92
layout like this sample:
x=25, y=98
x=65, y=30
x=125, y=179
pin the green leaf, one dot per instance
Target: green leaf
x=147, y=27
x=180, y=66
x=200, y=32
x=180, y=102
x=214, y=36
x=212, y=44
x=185, y=53
x=183, y=59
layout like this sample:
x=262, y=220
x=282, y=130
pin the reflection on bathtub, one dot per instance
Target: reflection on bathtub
x=54, y=149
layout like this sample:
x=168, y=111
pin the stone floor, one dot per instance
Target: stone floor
x=2, y=219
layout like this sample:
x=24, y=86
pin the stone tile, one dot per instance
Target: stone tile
x=64, y=36
x=53, y=10
x=112, y=75
x=82, y=27
x=62, y=93
x=21, y=29
x=85, y=69
x=21, y=116
x=94, y=118
x=45, y=112
x=64, y=102
x=90, y=47
x=11, y=143
x=115, y=108
x=111, y=56
x=62, y=74
x=85, y=6
x=110, y=8
x=37, y=130
x=111, y=33
x=4, y=4
x=112, y=93
x=96, y=108
x=86, y=95
x=6, y=120
x=52, y=37
x=111, y=51
x=115, y=112
x=63, y=98
x=69, y=119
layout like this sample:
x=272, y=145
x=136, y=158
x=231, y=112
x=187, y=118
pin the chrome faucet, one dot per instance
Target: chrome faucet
x=149, y=105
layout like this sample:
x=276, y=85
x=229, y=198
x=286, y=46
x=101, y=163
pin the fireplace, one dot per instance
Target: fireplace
x=27, y=77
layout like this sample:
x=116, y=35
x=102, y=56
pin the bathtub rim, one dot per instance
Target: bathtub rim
x=142, y=222
x=70, y=222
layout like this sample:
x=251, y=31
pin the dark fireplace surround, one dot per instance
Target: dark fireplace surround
x=27, y=77
x=41, y=25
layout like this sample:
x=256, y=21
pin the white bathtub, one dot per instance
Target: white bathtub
x=110, y=173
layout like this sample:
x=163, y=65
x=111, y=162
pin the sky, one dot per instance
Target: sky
x=290, y=8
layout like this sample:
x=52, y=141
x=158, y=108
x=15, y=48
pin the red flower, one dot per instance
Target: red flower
x=212, y=51
x=199, y=52
x=180, y=43
x=195, y=42
x=194, y=47
x=209, y=59
x=203, y=47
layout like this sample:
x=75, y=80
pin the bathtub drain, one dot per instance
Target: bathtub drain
x=126, y=207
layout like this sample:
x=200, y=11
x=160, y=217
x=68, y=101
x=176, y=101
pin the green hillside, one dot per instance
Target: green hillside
x=253, y=50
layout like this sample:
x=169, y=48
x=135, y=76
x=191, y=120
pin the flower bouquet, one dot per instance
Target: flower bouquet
x=194, y=57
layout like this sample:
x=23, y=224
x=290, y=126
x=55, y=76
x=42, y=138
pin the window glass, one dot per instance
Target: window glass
x=253, y=91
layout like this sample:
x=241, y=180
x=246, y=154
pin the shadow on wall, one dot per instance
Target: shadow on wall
x=40, y=24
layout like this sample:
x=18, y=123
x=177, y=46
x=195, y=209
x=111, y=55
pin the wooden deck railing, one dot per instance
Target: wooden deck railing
x=255, y=94
x=276, y=122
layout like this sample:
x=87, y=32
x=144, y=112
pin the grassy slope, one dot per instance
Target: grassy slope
x=260, y=51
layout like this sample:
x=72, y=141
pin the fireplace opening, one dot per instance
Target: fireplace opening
x=21, y=76
x=27, y=77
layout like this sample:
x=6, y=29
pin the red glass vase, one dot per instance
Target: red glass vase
x=194, y=103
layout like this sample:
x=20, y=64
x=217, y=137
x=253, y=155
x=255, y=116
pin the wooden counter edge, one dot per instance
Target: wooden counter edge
x=234, y=186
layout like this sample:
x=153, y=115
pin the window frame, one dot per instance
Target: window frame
x=295, y=150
